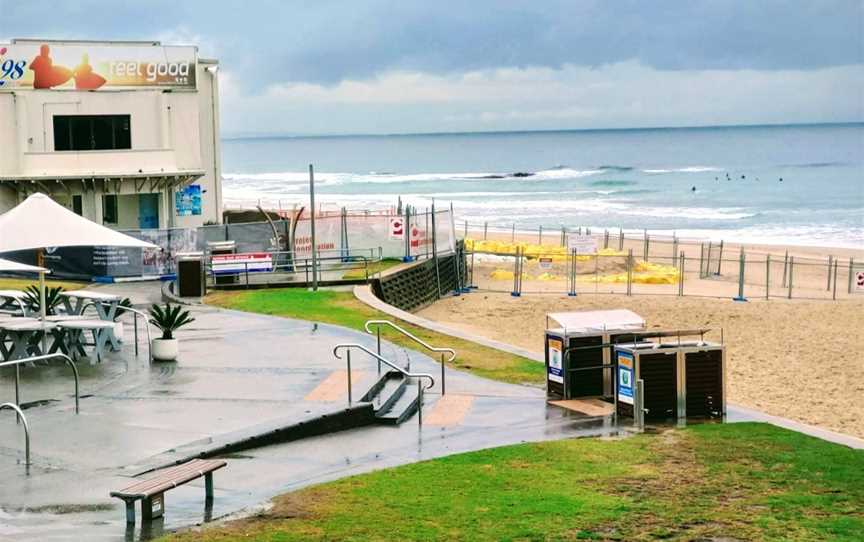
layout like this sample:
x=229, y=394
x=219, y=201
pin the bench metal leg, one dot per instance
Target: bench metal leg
x=130, y=512
x=153, y=507
x=208, y=486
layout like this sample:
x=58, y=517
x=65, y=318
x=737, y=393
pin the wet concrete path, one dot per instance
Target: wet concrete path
x=236, y=371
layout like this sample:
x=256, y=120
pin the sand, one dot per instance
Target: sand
x=796, y=359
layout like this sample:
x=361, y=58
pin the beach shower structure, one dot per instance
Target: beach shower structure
x=579, y=353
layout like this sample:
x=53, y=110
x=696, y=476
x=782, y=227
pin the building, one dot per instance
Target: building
x=123, y=133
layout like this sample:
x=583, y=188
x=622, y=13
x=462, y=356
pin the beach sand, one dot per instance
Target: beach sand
x=797, y=359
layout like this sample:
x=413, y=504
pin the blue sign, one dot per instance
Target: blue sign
x=188, y=200
x=625, y=378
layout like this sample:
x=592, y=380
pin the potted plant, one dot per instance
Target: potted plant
x=118, y=325
x=169, y=319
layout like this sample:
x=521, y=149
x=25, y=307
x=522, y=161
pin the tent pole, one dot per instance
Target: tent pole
x=42, y=308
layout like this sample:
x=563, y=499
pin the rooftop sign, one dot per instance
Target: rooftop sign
x=95, y=66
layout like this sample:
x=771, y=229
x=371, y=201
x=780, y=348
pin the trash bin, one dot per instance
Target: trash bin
x=683, y=379
x=190, y=274
x=588, y=334
x=217, y=249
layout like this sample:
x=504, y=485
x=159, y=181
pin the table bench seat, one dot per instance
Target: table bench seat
x=151, y=491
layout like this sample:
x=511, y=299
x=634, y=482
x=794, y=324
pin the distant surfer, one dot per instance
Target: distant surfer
x=781, y=179
x=693, y=189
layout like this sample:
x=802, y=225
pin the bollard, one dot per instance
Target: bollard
x=767, y=277
x=485, y=229
x=741, y=267
x=630, y=272
x=830, y=263
x=791, y=267
x=834, y=294
x=720, y=259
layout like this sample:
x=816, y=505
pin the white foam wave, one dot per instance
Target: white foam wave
x=690, y=169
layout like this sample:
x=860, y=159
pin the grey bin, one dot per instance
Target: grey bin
x=190, y=274
x=218, y=248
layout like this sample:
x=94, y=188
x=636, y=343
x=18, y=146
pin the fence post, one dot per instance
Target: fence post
x=741, y=269
x=464, y=236
x=767, y=277
x=720, y=259
x=674, y=246
x=701, y=258
x=596, y=272
x=785, y=267
x=830, y=263
x=516, y=274
x=639, y=405
x=851, y=265
x=485, y=229
x=563, y=237
x=834, y=294
x=513, y=234
x=605, y=239
x=630, y=272
x=681, y=276
x=572, y=292
x=540, y=235
x=791, y=267
x=620, y=239
x=707, y=269
x=645, y=247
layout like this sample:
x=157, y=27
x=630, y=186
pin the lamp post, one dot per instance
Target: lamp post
x=312, y=210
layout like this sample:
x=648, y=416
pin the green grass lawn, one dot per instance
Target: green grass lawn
x=710, y=482
x=374, y=269
x=343, y=309
x=21, y=284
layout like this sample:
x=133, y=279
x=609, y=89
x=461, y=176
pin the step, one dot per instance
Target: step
x=386, y=391
x=402, y=409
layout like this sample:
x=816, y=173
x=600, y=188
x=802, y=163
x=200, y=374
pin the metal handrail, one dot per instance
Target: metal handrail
x=18, y=362
x=420, y=389
x=137, y=313
x=17, y=409
x=421, y=342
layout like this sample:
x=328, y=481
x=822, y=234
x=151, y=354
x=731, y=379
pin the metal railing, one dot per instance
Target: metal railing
x=18, y=362
x=137, y=313
x=421, y=342
x=420, y=388
x=21, y=416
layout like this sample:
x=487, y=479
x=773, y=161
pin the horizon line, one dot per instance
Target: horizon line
x=536, y=131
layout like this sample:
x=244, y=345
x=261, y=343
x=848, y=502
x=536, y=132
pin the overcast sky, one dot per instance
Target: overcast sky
x=375, y=66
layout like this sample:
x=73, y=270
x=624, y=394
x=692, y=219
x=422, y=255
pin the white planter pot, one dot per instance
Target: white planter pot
x=165, y=349
x=118, y=331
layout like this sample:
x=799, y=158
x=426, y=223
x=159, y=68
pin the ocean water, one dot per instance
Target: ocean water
x=722, y=182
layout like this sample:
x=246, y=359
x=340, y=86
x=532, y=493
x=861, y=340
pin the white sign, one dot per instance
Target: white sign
x=555, y=372
x=545, y=263
x=859, y=281
x=397, y=228
x=252, y=262
x=583, y=244
x=625, y=378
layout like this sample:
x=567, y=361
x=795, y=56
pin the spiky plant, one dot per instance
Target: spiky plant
x=124, y=303
x=52, y=299
x=169, y=319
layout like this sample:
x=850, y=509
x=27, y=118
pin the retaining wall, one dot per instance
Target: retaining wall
x=417, y=286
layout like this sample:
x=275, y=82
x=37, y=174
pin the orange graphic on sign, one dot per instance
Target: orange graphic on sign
x=45, y=73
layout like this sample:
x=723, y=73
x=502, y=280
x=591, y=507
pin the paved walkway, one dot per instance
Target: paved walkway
x=236, y=371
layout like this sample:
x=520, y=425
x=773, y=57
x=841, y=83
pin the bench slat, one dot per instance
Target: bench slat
x=169, y=479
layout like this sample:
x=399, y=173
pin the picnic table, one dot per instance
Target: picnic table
x=13, y=301
x=25, y=336
x=106, y=307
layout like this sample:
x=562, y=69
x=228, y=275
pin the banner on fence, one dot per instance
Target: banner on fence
x=582, y=244
x=231, y=264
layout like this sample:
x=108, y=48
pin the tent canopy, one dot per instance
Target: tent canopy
x=8, y=265
x=40, y=222
x=588, y=321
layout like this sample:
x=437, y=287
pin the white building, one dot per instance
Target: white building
x=123, y=133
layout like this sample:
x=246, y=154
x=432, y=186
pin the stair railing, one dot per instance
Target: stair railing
x=18, y=362
x=421, y=342
x=17, y=409
x=419, y=376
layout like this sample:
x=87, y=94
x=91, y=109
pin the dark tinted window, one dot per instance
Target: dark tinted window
x=109, y=209
x=92, y=132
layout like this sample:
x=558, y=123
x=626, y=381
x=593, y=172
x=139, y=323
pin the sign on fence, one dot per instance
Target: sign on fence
x=859, y=281
x=231, y=264
x=397, y=228
x=544, y=263
x=583, y=244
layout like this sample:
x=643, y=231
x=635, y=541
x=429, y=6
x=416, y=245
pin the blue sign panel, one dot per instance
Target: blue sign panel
x=188, y=200
x=625, y=378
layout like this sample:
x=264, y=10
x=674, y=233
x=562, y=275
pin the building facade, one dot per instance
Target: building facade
x=123, y=133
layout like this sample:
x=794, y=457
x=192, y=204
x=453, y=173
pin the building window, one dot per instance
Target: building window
x=78, y=205
x=92, y=132
x=109, y=209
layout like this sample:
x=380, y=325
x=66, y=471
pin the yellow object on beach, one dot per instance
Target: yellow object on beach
x=505, y=274
x=548, y=277
x=531, y=251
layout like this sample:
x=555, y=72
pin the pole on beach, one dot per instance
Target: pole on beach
x=785, y=267
x=830, y=263
x=791, y=267
x=456, y=260
x=701, y=258
x=851, y=265
x=517, y=273
x=435, y=250
x=572, y=274
x=620, y=239
x=645, y=246
x=630, y=272
x=707, y=269
x=485, y=227
x=312, y=229
x=674, y=246
x=720, y=259
x=834, y=294
x=681, y=276
x=563, y=236
x=741, y=269
x=513, y=233
x=605, y=238
x=540, y=235
x=465, y=232
x=767, y=277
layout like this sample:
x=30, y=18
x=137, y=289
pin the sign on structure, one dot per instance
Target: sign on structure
x=555, y=373
x=625, y=378
x=583, y=244
x=859, y=281
x=252, y=262
x=544, y=263
x=397, y=228
x=57, y=65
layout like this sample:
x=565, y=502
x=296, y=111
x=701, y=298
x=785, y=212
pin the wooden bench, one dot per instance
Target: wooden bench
x=151, y=491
